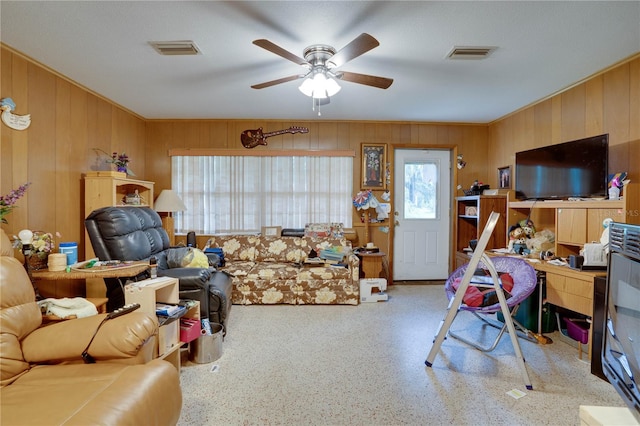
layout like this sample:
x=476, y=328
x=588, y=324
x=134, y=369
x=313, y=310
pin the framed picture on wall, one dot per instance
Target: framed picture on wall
x=504, y=177
x=374, y=161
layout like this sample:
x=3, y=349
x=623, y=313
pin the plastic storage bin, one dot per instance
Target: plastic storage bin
x=578, y=329
x=527, y=314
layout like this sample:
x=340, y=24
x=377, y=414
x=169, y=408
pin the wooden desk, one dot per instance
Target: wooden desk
x=573, y=290
x=569, y=288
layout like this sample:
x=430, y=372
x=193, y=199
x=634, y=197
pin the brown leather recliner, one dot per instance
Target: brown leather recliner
x=44, y=381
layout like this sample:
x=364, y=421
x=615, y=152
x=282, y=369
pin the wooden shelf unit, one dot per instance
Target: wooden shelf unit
x=159, y=290
x=575, y=223
x=103, y=189
x=469, y=225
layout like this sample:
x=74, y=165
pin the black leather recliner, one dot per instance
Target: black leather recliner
x=136, y=233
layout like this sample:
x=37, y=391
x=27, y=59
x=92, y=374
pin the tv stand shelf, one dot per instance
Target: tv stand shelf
x=575, y=223
x=554, y=204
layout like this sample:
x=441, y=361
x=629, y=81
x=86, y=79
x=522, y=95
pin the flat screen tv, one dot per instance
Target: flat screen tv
x=621, y=341
x=576, y=169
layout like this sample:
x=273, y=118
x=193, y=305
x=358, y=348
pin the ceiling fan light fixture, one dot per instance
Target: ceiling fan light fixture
x=319, y=87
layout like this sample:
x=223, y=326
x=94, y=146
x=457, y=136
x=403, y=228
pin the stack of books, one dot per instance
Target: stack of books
x=168, y=310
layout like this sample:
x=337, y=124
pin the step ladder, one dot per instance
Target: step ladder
x=456, y=302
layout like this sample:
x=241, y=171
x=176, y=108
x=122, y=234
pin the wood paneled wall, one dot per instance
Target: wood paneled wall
x=163, y=135
x=607, y=103
x=67, y=123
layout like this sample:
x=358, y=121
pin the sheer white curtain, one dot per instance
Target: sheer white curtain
x=240, y=194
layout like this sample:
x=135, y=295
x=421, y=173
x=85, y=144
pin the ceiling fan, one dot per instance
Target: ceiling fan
x=321, y=62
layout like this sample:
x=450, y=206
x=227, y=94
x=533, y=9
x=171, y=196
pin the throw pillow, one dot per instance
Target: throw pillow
x=480, y=296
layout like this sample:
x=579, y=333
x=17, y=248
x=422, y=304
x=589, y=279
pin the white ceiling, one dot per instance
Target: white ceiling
x=543, y=47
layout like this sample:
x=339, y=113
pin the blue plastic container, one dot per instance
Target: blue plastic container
x=71, y=250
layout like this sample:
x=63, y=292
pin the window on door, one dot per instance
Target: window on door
x=420, y=195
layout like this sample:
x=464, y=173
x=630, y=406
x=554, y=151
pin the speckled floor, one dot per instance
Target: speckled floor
x=364, y=365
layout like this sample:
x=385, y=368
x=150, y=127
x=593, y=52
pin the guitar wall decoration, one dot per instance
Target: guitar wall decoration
x=253, y=138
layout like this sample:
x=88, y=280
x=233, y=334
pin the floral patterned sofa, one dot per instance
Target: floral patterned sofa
x=271, y=270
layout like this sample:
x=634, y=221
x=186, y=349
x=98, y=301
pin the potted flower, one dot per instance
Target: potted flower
x=41, y=246
x=7, y=202
x=121, y=161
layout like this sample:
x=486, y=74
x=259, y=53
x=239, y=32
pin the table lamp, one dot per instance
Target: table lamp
x=26, y=238
x=169, y=202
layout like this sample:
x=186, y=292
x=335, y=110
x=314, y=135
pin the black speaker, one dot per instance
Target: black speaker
x=191, y=239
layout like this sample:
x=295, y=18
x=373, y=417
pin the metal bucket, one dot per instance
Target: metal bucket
x=207, y=348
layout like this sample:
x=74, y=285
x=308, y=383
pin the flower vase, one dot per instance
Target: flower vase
x=122, y=169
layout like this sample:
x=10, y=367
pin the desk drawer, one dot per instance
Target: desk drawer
x=570, y=293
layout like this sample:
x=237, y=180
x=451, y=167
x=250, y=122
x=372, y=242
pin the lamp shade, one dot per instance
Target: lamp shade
x=169, y=201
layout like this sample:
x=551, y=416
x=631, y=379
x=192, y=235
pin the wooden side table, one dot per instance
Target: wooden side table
x=67, y=279
x=371, y=264
x=74, y=274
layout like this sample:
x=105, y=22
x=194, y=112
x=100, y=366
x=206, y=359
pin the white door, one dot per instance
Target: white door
x=422, y=199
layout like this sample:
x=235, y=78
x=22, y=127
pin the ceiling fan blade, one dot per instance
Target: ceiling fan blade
x=369, y=80
x=271, y=47
x=361, y=44
x=278, y=81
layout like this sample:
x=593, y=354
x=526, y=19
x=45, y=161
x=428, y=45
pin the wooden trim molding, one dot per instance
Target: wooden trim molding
x=208, y=152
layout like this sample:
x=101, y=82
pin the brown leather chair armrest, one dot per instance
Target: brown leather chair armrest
x=118, y=338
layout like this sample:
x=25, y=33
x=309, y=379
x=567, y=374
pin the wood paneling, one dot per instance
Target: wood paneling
x=606, y=103
x=471, y=140
x=67, y=123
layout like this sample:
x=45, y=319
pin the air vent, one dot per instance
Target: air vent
x=182, y=47
x=470, y=52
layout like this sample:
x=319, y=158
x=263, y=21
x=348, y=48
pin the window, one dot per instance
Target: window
x=240, y=194
x=420, y=192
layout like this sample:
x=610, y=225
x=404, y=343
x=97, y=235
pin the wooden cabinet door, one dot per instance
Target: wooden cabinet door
x=571, y=226
x=595, y=218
